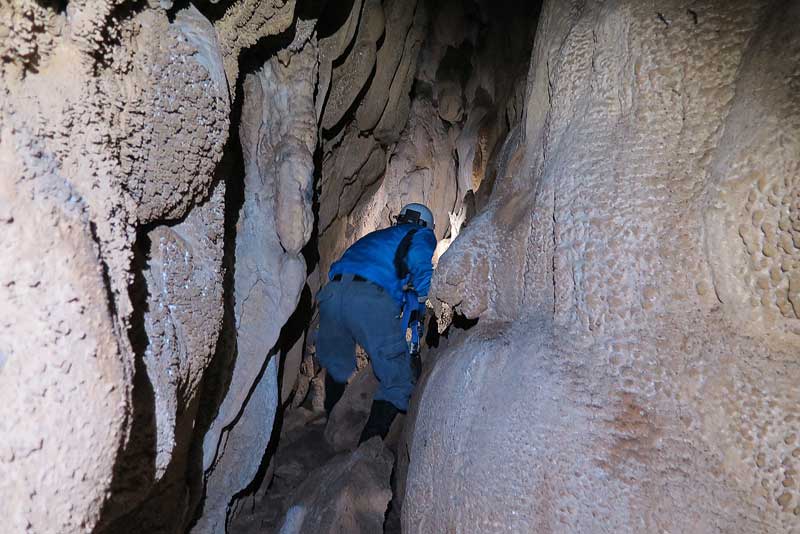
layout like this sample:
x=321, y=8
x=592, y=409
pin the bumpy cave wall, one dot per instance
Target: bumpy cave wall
x=145, y=277
x=634, y=368
x=157, y=197
x=631, y=204
x=113, y=122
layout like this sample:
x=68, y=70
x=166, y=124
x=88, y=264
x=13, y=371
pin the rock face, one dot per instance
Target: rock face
x=348, y=494
x=56, y=315
x=629, y=190
x=278, y=135
x=364, y=115
x=112, y=262
x=635, y=364
x=115, y=208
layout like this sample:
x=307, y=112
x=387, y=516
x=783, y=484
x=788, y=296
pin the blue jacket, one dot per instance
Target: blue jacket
x=372, y=257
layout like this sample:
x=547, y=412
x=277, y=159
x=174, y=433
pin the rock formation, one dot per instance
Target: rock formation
x=634, y=365
x=112, y=264
x=348, y=494
x=615, y=185
x=278, y=135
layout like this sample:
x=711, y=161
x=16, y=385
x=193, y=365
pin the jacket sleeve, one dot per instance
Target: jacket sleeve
x=419, y=260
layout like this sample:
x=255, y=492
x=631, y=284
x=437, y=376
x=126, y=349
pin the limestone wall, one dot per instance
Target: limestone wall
x=134, y=351
x=634, y=367
x=175, y=180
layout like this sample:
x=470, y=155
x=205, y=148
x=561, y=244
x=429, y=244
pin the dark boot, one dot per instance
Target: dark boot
x=333, y=392
x=380, y=420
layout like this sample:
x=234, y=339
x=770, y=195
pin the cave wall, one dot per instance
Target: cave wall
x=437, y=139
x=278, y=135
x=634, y=366
x=157, y=191
x=137, y=371
x=109, y=155
x=629, y=201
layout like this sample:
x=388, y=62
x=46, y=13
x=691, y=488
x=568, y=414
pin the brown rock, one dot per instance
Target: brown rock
x=350, y=414
x=348, y=494
x=596, y=199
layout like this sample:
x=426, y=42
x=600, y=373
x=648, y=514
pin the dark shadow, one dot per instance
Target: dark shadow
x=456, y=64
x=58, y=6
x=432, y=336
x=311, y=250
x=178, y=5
x=334, y=15
x=134, y=470
x=462, y=322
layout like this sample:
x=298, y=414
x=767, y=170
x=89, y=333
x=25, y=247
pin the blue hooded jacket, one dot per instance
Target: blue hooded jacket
x=372, y=257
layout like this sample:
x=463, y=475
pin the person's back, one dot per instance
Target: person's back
x=374, y=288
x=374, y=257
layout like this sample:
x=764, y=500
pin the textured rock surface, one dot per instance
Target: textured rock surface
x=246, y=22
x=278, y=134
x=93, y=151
x=166, y=153
x=348, y=494
x=57, y=337
x=113, y=123
x=180, y=326
x=348, y=79
x=350, y=414
x=640, y=218
x=399, y=16
x=184, y=280
x=333, y=46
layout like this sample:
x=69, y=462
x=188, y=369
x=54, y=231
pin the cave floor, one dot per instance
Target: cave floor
x=302, y=448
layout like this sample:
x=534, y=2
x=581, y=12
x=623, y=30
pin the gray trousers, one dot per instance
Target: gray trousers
x=353, y=312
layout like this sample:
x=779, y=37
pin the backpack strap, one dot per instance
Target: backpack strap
x=400, y=264
x=409, y=293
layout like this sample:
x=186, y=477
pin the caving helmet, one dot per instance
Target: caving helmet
x=416, y=214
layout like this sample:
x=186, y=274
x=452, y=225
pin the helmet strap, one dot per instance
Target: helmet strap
x=411, y=217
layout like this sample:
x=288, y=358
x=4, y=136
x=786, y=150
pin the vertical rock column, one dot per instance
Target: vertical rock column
x=278, y=135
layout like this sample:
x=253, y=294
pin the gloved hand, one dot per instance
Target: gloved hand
x=418, y=316
x=416, y=365
x=414, y=348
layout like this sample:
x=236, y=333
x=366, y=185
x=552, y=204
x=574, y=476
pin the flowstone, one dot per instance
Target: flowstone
x=633, y=278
